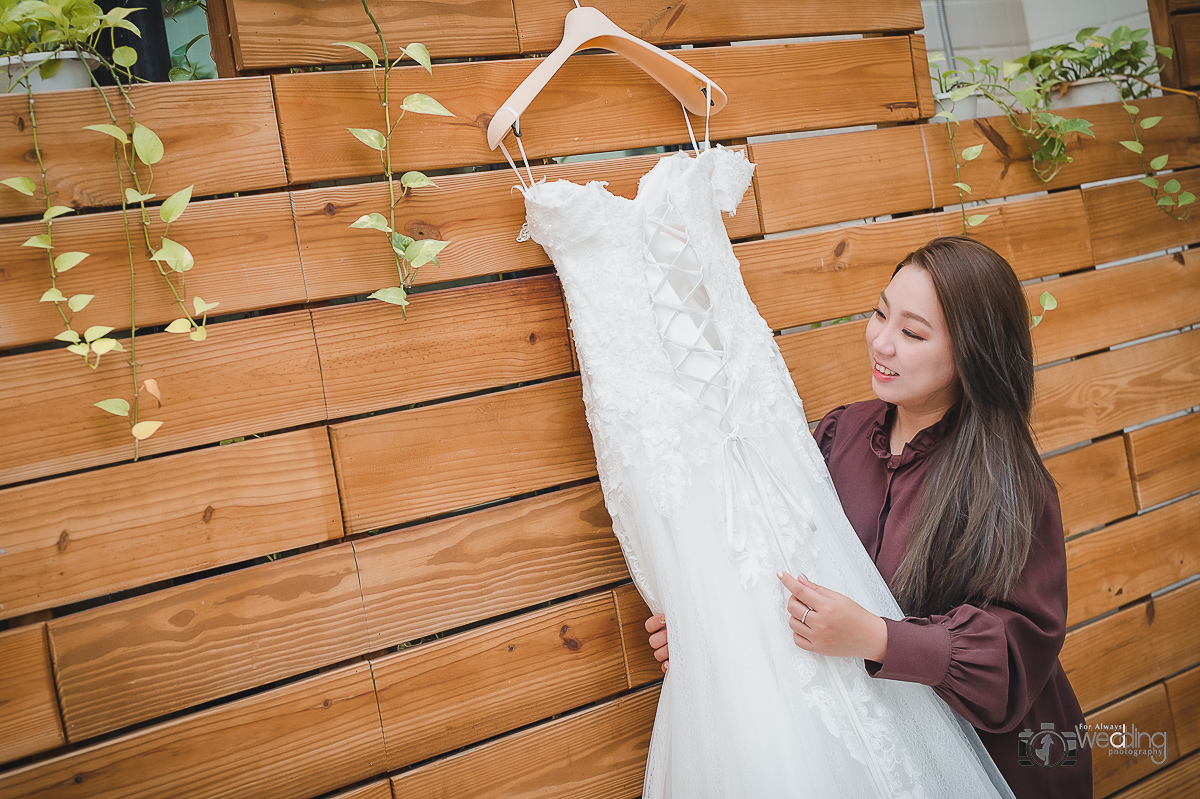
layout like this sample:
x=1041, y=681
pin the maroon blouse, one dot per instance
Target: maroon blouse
x=996, y=666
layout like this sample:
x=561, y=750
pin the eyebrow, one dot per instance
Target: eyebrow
x=909, y=314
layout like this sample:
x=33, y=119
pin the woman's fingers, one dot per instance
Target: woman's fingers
x=656, y=625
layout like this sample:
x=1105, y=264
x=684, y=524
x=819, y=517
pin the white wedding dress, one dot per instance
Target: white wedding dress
x=714, y=483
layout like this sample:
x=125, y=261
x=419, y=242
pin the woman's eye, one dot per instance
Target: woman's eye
x=911, y=334
x=879, y=313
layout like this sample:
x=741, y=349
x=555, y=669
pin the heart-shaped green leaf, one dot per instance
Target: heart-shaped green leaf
x=125, y=56
x=42, y=241
x=174, y=205
x=143, y=430
x=179, y=326
x=23, y=185
x=394, y=295
x=370, y=137
x=415, y=180
x=52, y=295
x=147, y=145
x=67, y=260
x=1160, y=162
x=110, y=130
x=96, y=331
x=56, y=211
x=116, y=406
x=201, y=306
x=80, y=301
x=419, y=53
x=362, y=48
x=424, y=104
x=971, y=153
x=423, y=251
x=372, y=222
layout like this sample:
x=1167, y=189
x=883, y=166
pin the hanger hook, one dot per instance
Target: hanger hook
x=704, y=91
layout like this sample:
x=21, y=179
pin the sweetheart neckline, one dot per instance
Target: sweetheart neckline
x=600, y=184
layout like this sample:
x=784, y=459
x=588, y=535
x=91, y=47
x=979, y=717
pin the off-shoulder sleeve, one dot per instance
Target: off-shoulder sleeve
x=827, y=430
x=731, y=177
x=990, y=663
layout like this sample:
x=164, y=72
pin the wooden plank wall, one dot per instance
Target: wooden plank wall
x=369, y=557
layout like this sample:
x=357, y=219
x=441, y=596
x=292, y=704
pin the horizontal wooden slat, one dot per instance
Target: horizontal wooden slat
x=1146, y=711
x=1039, y=236
x=596, y=103
x=1100, y=308
x=29, y=719
x=446, y=694
x=1094, y=486
x=1124, y=221
x=412, y=464
x=600, y=751
x=453, y=342
x=478, y=213
x=815, y=181
x=445, y=574
x=640, y=665
x=376, y=790
x=74, y=537
x=1183, y=690
x=659, y=22
x=249, y=376
x=829, y=366
x=1165, y=459
x=1180, y=780
x=281, y=33
x=1103, y=393
x=1133, y=647
x=154, y=654
x=1004, y=167
x=245, y=251
x=299, y=741
x=220, y=136
x=827, y=274
x=1127, y=560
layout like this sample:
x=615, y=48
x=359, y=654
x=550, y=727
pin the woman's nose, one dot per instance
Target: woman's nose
x=883, y=342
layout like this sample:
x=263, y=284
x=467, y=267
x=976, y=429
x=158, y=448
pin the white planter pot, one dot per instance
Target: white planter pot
x=1089, y=91
x=966, y=108
x=73, y=74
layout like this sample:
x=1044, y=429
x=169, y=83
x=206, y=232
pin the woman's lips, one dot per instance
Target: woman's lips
x=878, y=375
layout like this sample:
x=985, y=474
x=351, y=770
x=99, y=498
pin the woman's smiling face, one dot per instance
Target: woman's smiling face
x=912, y=363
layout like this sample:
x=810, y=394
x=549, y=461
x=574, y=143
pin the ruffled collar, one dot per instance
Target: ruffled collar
x=920, y=445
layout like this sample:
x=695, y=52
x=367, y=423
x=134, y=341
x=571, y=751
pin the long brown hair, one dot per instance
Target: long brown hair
x=984, y=492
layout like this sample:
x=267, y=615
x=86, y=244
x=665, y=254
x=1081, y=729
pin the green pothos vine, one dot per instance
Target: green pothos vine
x=408, y=254
x=136, y=149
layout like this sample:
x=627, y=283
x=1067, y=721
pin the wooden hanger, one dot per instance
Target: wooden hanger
x=587, y=27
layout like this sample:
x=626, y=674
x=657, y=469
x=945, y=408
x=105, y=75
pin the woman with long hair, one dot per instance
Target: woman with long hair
x=942, y=481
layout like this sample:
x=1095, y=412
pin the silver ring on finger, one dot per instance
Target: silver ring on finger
x=807, y=610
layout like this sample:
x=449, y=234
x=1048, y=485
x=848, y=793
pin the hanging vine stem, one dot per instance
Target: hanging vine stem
x=408, y=254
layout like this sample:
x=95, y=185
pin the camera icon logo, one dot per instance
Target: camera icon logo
x=1047, y=747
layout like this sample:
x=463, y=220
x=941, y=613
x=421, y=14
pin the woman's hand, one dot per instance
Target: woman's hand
x=828, y=623
x=656, y=625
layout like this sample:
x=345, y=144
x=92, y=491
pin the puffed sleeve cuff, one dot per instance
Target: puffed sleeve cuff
x=917, y=651
x=827, y=430
x=731, y=177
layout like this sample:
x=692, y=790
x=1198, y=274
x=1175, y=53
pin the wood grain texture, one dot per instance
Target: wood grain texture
x=220, y=136
x=926, y=103
x=540, y=22
x=73, y=538
x=829, y=366
x=1180, y=780
x=29, y=721
x=478, y=213
x=1186, y=30
x=1100, y=308
x=284, y=33
x=1148, y=712
x=154, y=654
x=1124, y=222
x=401, y=466
x=1103, y=393
x=467, y=568
x=446, y=694
x=1165, y=459
x=826, y=274
x=1133, y=647
x=1093, y=485
x=1183, y=692
x=597, y=752
x=376, y=790
x=1127, y=560
x=1004, y=168
x=454, y=342
x=641, y=666
x=244, y=247
x=300, y=740
x=776, y=88
x=1039, y=236
x=217, y=14
x=823, y=179
x=249, y=376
